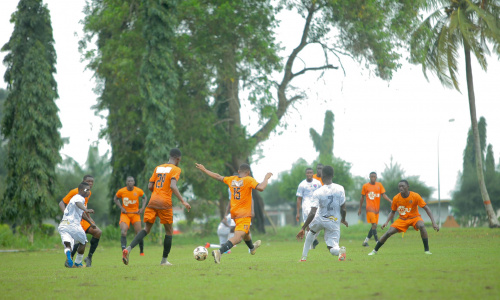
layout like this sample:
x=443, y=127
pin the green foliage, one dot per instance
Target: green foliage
x=3, y=152
x=30, y=121
x=324, y=142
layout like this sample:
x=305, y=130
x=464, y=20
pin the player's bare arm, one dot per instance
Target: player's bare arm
x=391, y=215
x=262, y=186
x=361, y=204
x=386, y=198
x=117, y=202
x=299, y=206
x=308, y=221
x=343, y=213
x=144, y=202
x=175, y=190
x=85, y=215
x=209, y=173
x=151, y=186
x=429, y=213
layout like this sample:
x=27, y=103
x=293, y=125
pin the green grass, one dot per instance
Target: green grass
x=465, y=265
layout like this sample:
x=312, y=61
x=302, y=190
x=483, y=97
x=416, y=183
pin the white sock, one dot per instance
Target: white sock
x=366, y=240
x=334, y=251
x=67, y=250
x=214, y=246
x=307, y=243
x=79, y=258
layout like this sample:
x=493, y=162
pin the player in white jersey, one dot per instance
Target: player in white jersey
x=70, y=229
x=329, y=202
x=305, y=197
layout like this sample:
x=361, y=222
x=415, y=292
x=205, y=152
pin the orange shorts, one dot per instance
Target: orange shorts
x=371, y=217
x=166, y=215
x=129, y=219
x=243, y=224
x=403, y=225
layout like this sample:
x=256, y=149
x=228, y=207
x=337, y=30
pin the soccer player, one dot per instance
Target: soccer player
x=319, y=171
x=93, y=230
x=162, y=184
x=407, y=203
x=329, y=201
x=70, y=228
x=372, y=191
x=130, y=212
x=241, y=206
x=304, y=197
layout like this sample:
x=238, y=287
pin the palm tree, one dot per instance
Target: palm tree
x=452, y=24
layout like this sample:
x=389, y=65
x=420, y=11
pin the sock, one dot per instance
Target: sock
x=335, y=251
x=79, y=258
x=75, y=248
x=426, y=244
x=167, y=244
x=123, y=239
x=379, y=244
x=141, y=246
x=228, y=245
x=307, y=244
x=370, y=234
x=366, y=239
x=215, y=245
x=249, y=244
x=374, y=231
x=66, y=250
x=93, y=245
x=138, y=238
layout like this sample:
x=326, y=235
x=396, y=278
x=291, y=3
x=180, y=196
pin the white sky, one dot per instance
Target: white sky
x=374, y=119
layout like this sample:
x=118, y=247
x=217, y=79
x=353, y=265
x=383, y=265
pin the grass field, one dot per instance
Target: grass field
x=465, y=264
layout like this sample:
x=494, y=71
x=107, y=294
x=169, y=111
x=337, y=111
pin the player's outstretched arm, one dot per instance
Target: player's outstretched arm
x=62, y=206
x=175, y=190
x=361, y=204
x=386, y=198
x=262, y=186
x=429, y=213
x=85, y=215
x=144, y=202
x=308, y=221
x=391, y=215
x=209, y=173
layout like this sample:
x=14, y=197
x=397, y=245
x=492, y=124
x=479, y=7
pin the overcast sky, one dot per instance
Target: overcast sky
x=374, y=119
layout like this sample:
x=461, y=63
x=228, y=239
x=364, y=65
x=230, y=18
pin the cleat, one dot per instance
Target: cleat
x=365, y=244
x=304, y=258
x=88, y=262
x=373, y=252
x=315, y=243
x=216, y=255
x=207, y=245
x=164, y=262
x=80, y=265
x=142, y=254
x=69, y=262
x=255, y=246
x=125, y=256
x=427, y=252
x=342, y=254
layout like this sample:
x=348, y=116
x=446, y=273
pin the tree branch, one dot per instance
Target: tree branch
x=314, y=69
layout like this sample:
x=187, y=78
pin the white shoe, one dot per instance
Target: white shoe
x=164, y=262
x=255, y=246
x=342, y=254
x=373, y=252
x=427, y=252
x=216, y=255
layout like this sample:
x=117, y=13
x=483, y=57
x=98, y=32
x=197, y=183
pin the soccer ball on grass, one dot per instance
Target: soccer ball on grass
x=200, y=253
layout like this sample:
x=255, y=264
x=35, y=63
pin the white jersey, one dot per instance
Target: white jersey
x=72, y=213
x=306, y=190
x=328, y=199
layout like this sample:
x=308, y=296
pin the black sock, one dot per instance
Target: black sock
x=124, y=242
x=228, y=245
x=374, y=231
x=167, y=244
x=426, y=244
x=93, y=245
x=379, y=244
x=75, y=249
x=249, y=244
x=370, y=233
x=141, y=246
x=138, y=238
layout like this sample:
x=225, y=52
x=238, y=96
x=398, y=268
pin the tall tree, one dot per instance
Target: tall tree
x=30, y=121
x=3, y=153
x=452, y=24
x=324, y=142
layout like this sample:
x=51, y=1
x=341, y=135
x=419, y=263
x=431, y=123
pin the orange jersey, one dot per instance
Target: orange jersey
x=241, y=195
x=407, y=207
x=73, y=192
x=315, y=176
x=130, y=199
x=161, y=198
x=373, y=192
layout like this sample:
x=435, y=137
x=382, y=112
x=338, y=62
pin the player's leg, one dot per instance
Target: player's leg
x=419, y=225
x=124, y=225
x=167, y=243
x=81, y=237
x=137, y=229
x=79, y=255
x=252, y=247
x=392, y=230
x=94, y=242
x=149, y=219
x=67, y=241
x=314, y=228
x=332, y=238
x=241, y=230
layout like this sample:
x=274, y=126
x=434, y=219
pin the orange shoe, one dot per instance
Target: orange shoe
x=125, y=256
x=142, y=254
x=207, y=245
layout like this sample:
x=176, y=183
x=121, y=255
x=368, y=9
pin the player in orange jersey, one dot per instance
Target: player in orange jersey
x=93, y=230
x=407, y=203
x=162, y=184
x=372, y=191
x=130, y=212
x=319, y=171
x=241, y=206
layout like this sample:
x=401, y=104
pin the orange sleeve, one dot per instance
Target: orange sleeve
x=382, y=189
x=153, y=177
x=70, y=195
x=227, y=180
x=394, y=205
x=420, y=201
x=253, y=183
x=363, y=190
x=140, y=192
x=176, y=173
x=119, y=194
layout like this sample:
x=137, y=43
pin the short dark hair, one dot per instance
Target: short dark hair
x=83, y=185
x=87, y=176
x=327, y=172
x=307, y=169
x=373, y=173
x=244, y=167
x=130, y=177
x=319, y=164
x=175, y=153
x=405, y=181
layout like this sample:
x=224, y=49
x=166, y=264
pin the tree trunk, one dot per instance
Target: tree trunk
x=492, y=219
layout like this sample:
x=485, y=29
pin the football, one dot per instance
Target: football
x=200, y=253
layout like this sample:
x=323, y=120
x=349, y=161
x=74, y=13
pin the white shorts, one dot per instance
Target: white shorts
x=305, y=212
x=72, y=233
x=223, y=233
x=332, y=230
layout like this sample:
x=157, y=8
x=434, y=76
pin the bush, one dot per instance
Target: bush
x=47, y=229
x=7, y=238
x=111, y=233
